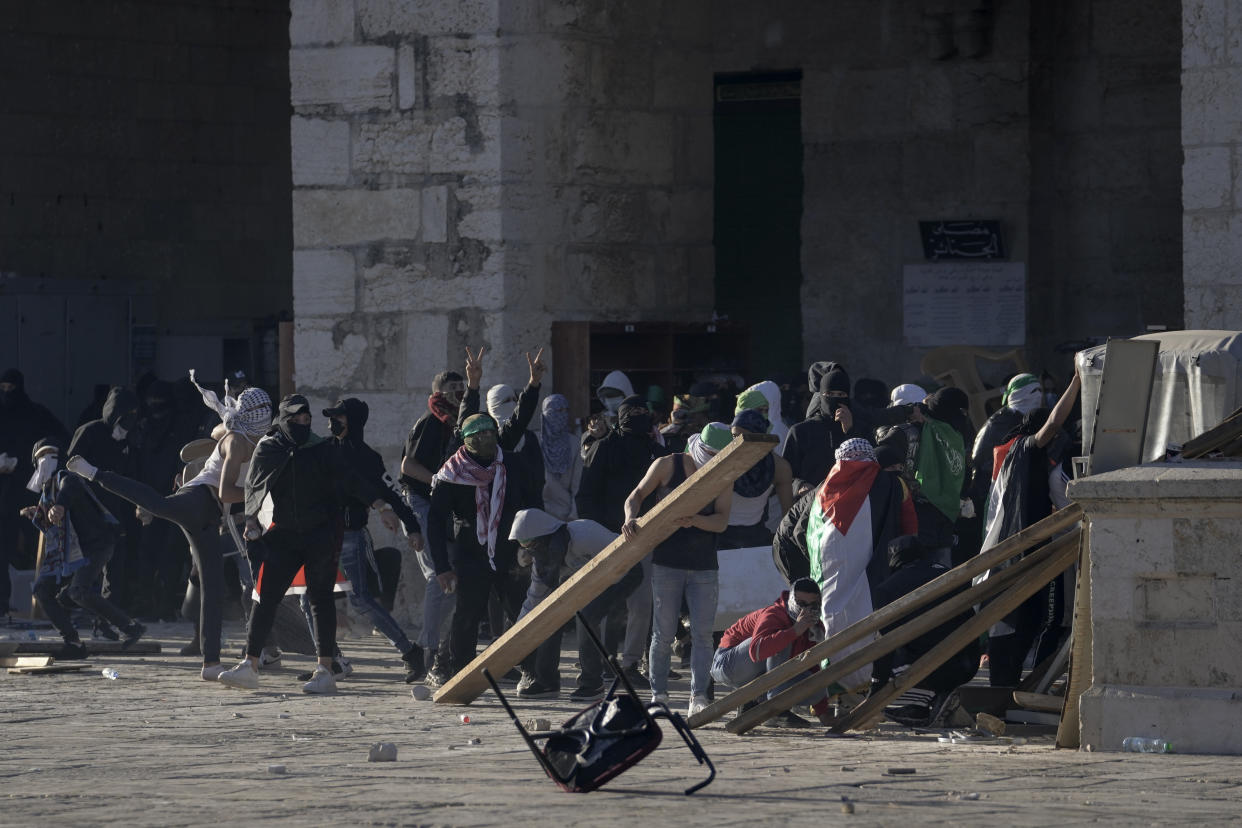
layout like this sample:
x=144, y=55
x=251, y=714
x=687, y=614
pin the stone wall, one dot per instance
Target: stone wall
x=1212, y=138
x=146, y=142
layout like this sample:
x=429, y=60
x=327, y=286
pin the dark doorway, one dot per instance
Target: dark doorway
x=758, y=138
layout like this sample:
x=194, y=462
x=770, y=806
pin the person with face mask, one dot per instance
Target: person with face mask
x=613, y=391
x=197, y=506
x=80, y=535
x=503, y=405
x=309, y=483
x=473, y=502
x=762, y=640
x=557, y=549
x=23, y=423
x=108, y=443
x=347, y=422
x=562, y=462
x=1023, y=394
x=768, y=480
x=613, y=467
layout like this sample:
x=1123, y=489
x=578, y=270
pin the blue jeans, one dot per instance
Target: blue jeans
x=701, y=589
x=732, y=667
x=437, y=606
x=355, y=560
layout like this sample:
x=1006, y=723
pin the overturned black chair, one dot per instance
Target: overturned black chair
x=607, y=738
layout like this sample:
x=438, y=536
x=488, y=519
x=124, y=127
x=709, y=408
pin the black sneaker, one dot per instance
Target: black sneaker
x=587, y=693
x=191, y=649
x=339, y=672
x=72, y=651
x=414, y=669
x=788, y=719
x=436, y=678
x=636, y=677
x=538, y=690
x=136, y=631
x=102, y=629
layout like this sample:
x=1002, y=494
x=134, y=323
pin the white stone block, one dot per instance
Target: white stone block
x=1207, y=182
x=1204, y=31
x=327, y=218
x=398, y=146
x=435, y=214
x=320, y=151
x=428, y=17
x=465, y=66
x=407, y=81
x=355, y=78
x=323, y=357
x=323, y=283
x=320, y=22
x=426, y=348
x=386, y=288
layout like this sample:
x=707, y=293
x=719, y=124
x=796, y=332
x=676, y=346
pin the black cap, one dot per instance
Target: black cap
x=294, y=404
x=337, y=408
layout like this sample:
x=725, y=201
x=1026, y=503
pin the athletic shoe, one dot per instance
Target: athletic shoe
x=697, y=705
x=213, y=672
x=136, y=631
x=241, y=677
x=191, y=649
x=78, y=465
x=636, y=677
x=788, y=719
x=73, y=650
x=321, y=681
x=659, y=698
x=587, y=693
x=414, y=669
x=538, y=690
x=102, y=629
x=269, y=657
x=339, y=670
x=436, y=678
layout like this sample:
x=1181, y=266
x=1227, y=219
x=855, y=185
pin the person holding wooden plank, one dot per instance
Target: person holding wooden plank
x=684, y=566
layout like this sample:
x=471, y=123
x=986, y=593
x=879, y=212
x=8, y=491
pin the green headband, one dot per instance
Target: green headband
x=1020, y=381
x=750, y=399
x=476, y=423
x=716, y=435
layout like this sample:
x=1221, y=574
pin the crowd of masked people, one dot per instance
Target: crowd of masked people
x=176, y=499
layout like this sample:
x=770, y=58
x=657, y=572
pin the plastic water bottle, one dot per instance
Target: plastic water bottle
x=110, y=673
x=1143, y=744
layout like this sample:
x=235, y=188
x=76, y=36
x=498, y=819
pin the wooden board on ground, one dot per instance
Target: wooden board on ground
x=955, y=578
x=1038, y=701
x=50, y=668
x=112, y=648
x=26, y=661
x=1004, y=604
x=607, y=567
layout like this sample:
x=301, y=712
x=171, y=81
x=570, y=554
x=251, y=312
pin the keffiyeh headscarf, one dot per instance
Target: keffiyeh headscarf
x=702, y=447
x=249, y=413
x=855, y=448
x=489, y=493
x=557, y=445
x=1023, y=393
x=848, y=482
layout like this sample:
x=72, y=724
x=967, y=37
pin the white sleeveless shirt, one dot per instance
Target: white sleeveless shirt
x=212, y=469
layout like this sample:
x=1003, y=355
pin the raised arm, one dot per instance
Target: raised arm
x=1060, y=413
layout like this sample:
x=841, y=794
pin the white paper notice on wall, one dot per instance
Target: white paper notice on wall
x=967, y=303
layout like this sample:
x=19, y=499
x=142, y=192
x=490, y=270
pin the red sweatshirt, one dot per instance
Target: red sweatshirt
x=770, y=630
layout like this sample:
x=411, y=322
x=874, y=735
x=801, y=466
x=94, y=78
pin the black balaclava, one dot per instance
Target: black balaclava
x=290, y=407
x=16, y=397
x=834, y=380
x=121, y=408
x=949, y=406
x=872, y=393
x=356, y=414
x=159, y=401
x=633, y=417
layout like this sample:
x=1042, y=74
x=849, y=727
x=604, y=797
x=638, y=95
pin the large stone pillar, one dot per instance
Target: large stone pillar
x=1166, y=606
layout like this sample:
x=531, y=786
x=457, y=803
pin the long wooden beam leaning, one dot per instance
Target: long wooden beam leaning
x=607, y=567
x=885, y=644
x=1011, y=547
x=1006, y=603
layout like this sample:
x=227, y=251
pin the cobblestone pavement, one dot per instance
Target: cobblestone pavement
x=158, y=746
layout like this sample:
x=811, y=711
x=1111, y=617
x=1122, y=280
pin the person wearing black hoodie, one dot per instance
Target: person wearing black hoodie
x=309, y=482
x=348, y=423
x=81, y=534
x=23, y=422
x=106, y=444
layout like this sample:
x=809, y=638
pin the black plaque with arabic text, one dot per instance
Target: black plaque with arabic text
x=968, y=239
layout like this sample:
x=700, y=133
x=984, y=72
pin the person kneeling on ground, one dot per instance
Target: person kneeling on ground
x=768, y=637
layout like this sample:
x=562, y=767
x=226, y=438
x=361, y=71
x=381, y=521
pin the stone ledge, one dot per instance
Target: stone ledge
x=1193, y=719
x=1194, y=479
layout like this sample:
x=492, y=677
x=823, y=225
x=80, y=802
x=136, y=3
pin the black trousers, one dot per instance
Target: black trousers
x=474, y=584
x=1036, y=623
x=56, y=595
x=286, y=551
x=610, y=602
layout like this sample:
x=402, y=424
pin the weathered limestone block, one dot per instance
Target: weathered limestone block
x=320, y=22
x=468, y=67
x=352, y=78
x=394, y=146
x=434, y=215
x=426, y=349
x=323, y=282
x=327, y=356
x=1207, y=182
x=479, y=213
x=389, y=288
x=407, y=77
x=1211, y=106
x=629, y=147
x=427, y=17
x=340, y=217
x=1212, y=248
x=320, y=151
x=467, y=143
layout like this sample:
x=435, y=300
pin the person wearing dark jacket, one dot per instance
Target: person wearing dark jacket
x=943, y=472
x=612, y=469
x=106, y=444
x=308, y=481
x=348, y=422
x=763, y=640
x=80, y=535
x=473, y=503
x=23, y=423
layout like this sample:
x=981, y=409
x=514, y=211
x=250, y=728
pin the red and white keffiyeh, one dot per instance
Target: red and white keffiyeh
x=489, y=493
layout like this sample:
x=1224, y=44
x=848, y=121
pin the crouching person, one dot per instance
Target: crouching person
x=766, y=638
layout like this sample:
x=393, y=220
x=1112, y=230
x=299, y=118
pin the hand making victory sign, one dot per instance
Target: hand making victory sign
x=474, y=368
x=537, y=367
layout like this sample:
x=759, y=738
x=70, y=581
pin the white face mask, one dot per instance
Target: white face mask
x=118, y=433
x=503, y=411
x=611, y=404
x=43, y=472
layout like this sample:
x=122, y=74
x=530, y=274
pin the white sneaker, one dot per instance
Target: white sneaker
x=347, y=669
x=321, y=681
x=697, y=705
x=269, y=657
x=213, y=672
x=78, y=465
x=241, y=677
x=659, y=698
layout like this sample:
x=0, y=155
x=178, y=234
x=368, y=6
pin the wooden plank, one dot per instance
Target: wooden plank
x=1004, y=604
x=112, y=648
x=1039, y=701
x=1069, y=735
x=51, y=668
x=607, y=567
x=1219, y=435
x=928, y=621
x=25, y=661
x=886, y=616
